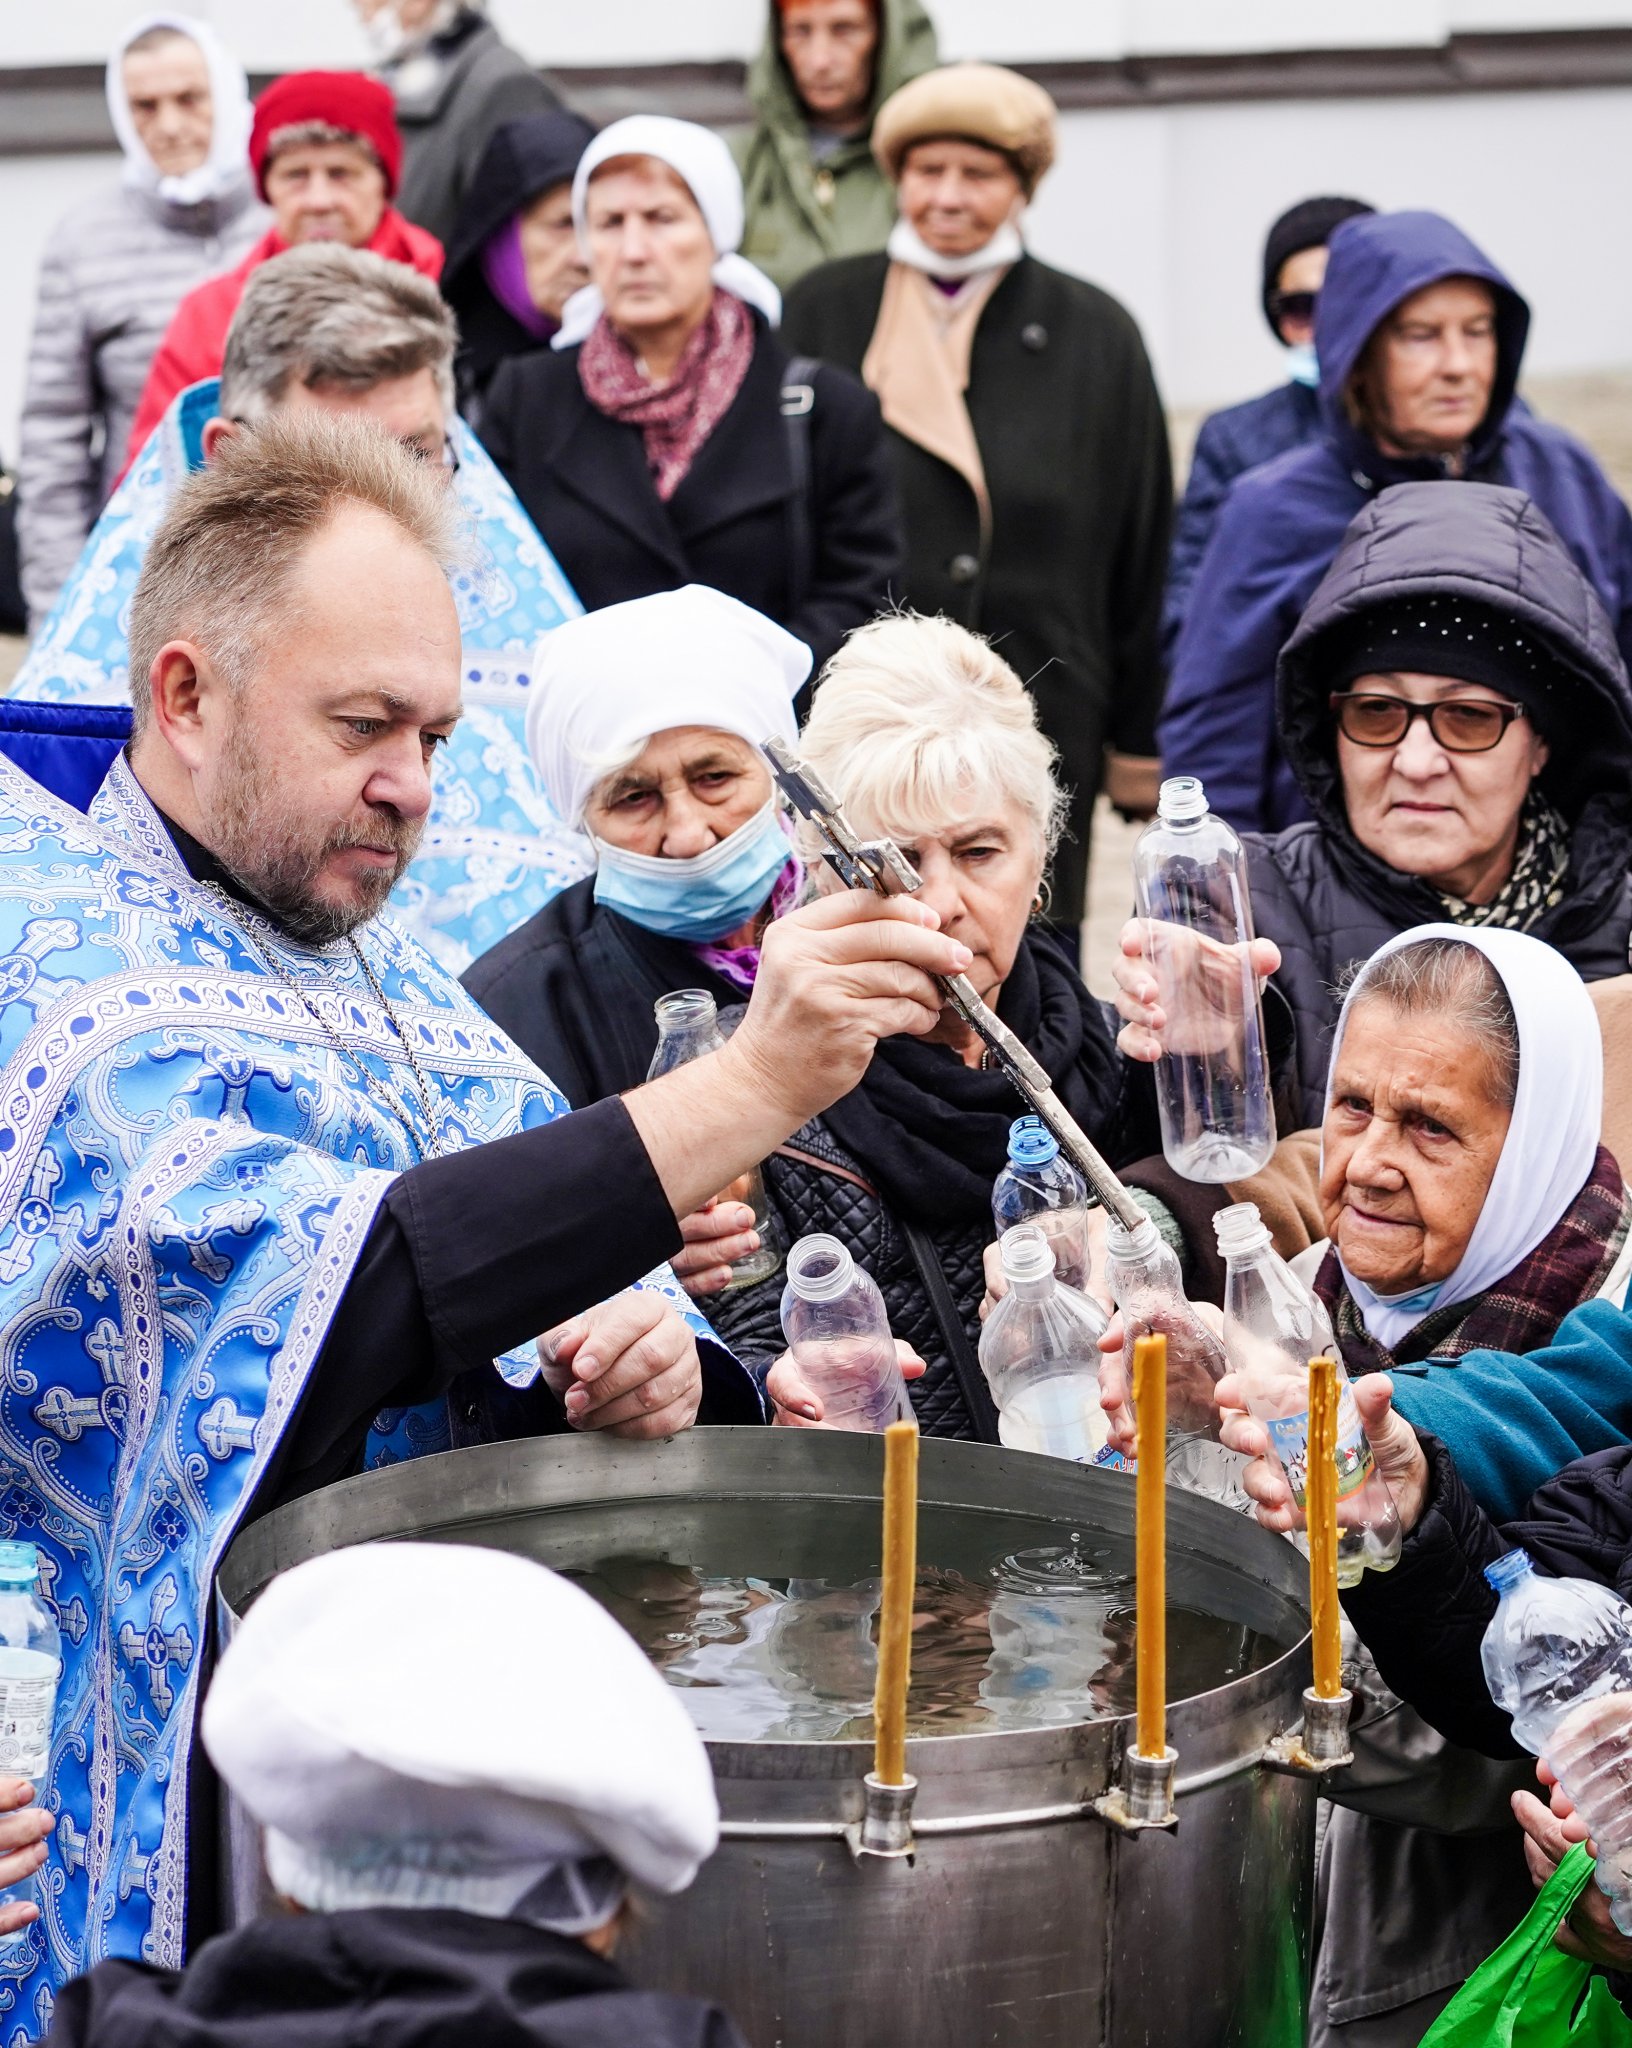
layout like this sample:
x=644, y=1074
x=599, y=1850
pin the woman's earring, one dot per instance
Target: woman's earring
x=1037, y=905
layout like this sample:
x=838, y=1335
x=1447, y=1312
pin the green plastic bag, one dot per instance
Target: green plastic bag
x=1529, y=1994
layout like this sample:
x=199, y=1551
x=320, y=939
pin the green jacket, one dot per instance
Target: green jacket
x=799, y=215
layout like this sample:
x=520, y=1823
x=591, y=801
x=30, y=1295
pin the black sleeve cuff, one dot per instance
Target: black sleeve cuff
x=510, y=1238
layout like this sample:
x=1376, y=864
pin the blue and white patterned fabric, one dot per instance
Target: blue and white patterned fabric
x=191, y=1156
x=494, y=850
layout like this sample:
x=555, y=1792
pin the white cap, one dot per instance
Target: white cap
x=605, y=682
x=430, y=1724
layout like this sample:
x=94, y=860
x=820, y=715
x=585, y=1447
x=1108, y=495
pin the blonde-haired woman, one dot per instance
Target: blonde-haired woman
x=927, y=735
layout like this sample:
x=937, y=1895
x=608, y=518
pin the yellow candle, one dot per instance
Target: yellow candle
x=1150, y=1407
x=1320, y=1513
x=895, y=1616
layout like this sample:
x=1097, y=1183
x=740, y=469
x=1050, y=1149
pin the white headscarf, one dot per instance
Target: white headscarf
x=704, y=162
x=1552, y=1139
x=605, y=682
x=231, y=114
x=434, y=1725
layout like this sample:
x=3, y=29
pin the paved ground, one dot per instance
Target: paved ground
x=1597, y=407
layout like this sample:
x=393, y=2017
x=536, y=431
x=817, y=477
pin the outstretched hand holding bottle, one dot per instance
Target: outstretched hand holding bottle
x=1400, y=1458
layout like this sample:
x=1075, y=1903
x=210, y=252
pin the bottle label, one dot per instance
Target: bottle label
x=1112, y=1459
x=26, y=1707
x=1289, y=1438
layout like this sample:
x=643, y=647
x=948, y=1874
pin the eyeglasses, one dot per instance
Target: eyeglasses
x=1299, y=306
x=1461, y=725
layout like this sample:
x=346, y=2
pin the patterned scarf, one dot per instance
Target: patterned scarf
x=675, y=418
x=1536, y=884
x=740, y=964
x=1524, y=1308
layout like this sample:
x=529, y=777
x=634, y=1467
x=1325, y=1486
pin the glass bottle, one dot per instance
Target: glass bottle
x=1273, y=1326
x=1040, y=1185
x=838, y=1330
x=688, y=1028
x=1040, y=1354
x=1212, y=1083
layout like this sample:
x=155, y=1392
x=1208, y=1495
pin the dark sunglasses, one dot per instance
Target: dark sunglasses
x=1461, y=725
x=1293, y=305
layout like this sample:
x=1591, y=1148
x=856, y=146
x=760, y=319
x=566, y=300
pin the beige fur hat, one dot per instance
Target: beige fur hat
x=982, y=103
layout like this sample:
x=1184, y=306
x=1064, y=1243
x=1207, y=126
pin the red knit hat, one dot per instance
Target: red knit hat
x=343, y=99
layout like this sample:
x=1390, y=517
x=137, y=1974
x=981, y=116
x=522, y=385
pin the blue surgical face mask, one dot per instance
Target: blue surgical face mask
x=700, y=898
x=1303, y=365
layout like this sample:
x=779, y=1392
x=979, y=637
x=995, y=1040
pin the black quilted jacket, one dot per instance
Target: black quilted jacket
x=812, y=1184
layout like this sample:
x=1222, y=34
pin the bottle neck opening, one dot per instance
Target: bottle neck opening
x=685, y=1010
x=1507, y=1571
x=1031, y=1142
x=820, y=1268
x=1241, y=1231
x=1181, y=800
x=1137, y=1243
x=1028, y=1258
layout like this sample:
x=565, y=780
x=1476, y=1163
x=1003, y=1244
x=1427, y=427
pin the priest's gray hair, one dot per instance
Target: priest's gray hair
x=219, y=567
x=1451, y=979
x=330, y=318
x=919, y=723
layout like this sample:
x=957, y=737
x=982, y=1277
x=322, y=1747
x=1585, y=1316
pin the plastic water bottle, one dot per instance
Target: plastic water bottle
x=1212, y=1085
x=1040, y=1354
x=1273, y=1326
x=1143, y=1271
x=688, y=1027
x=30, y=1666
x=1558, y=1658
x=834, y=1319
x=1039, y=1185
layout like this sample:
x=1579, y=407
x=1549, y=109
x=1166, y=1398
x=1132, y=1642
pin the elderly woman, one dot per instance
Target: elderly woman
x=665, y=437
x=926, y=734
x=1461, y=726
x=1028, y=437
x=1468, y=1204
x=513, y=257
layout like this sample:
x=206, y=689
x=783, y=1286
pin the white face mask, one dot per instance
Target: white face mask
x=1303, y=365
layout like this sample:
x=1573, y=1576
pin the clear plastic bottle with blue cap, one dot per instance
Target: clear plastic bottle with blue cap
x=1212, y=1079
x=1558, y=1658
x=1040, y=1185
x=30, y=1666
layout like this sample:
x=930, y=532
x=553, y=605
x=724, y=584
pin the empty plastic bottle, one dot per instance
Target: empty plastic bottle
x=1273, y=1326
x=688, y=1027
x=30, y=1666
x=1558, y=1658
x=1212, y=1081
x=834, y=1319
x=1040, y=1185
x=1040, y=1354
x=1143, y=1272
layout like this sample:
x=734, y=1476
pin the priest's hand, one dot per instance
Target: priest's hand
x=628, y=1365
x=796, y=1406
x=23, y=1829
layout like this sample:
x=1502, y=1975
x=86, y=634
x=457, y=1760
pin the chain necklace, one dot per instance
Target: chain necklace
x=370, y=1080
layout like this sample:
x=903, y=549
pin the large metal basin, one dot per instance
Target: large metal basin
x=1022, y=1918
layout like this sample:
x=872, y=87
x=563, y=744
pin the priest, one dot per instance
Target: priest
x=265, y=1169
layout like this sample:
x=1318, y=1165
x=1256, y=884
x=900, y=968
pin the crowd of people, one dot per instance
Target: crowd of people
x=427, y=505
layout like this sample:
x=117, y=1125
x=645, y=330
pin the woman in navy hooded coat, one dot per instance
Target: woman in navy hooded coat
x=1282, y=523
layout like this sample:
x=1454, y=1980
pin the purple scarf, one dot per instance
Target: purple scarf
x=740, y=964
x=505, y=269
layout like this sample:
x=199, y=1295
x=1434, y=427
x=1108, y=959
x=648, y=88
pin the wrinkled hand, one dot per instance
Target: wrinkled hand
x=836, y=976
x=1393, y=1443
x=1207, y=970
x=628, y=1365
x=797, y=1407
x=716, y=1235
x=1589, y=1933
x=23, y=1829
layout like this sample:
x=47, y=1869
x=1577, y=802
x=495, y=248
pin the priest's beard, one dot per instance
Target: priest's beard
x=276, y=852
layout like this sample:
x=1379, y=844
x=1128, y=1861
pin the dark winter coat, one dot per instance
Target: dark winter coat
x=1074, y=447
x=734, y=523
x=575, y=986
x=450, y=100
x=1228, y=444
x=1322, y=897
x=1282, y=523
x=393, y=1977
x=521, y=162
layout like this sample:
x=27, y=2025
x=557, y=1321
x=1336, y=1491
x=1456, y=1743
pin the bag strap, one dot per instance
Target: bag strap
x=977, y=1396
x=798, y=403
